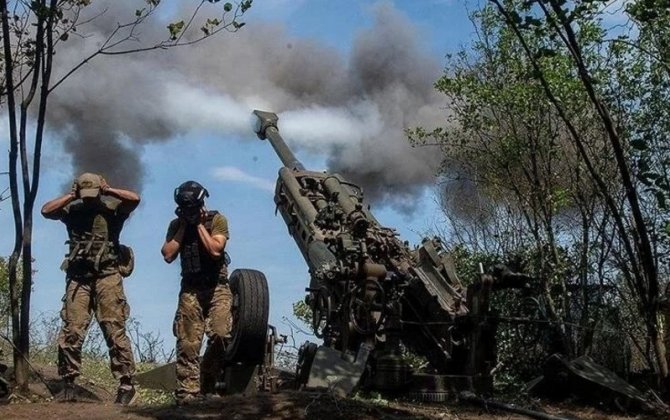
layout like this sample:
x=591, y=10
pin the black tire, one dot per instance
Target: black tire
x=251, y=309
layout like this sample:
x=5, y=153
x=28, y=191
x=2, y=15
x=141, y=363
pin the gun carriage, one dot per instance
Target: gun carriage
x=373, y=296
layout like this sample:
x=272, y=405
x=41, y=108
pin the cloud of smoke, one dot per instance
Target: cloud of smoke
x=231, y=173
x=353, y=108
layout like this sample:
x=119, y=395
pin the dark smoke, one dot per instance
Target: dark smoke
x=110, y=108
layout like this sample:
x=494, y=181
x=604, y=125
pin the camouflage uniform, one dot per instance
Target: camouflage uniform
x=103, y=296
x=204, y=307
x=201, y=311
x=94, y=284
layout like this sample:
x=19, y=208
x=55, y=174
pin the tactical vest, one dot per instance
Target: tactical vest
x=93, y=232
x=197, y=266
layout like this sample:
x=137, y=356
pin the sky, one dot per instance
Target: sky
x=346, y=78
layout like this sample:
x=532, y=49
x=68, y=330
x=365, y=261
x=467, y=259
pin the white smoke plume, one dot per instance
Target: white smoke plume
x=230, y=173
x=355, y=109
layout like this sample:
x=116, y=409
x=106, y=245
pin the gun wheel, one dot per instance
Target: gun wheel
x=251, y=310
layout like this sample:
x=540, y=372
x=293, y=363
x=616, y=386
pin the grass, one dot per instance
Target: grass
x=95, y=371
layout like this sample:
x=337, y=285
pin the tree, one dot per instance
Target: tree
x=567, y=23
x=513, y=186
x=31, y=34
x=557, y=118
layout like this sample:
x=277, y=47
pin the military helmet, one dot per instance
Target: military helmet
x=190, y=194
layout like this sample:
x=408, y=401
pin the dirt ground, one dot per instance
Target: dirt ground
x=282, y=405
x=268, y=406
x=286, y=404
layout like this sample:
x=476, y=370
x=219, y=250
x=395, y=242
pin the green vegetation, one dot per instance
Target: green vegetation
x=556, y=159
x=4, y=295
x=96, y=372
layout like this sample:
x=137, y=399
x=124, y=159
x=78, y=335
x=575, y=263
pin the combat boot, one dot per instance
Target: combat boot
x=126, y=394
x=69, y=392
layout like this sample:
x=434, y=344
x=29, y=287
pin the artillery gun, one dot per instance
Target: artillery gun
x=372, y=297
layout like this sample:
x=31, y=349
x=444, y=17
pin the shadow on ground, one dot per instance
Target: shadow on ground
x=285, y=405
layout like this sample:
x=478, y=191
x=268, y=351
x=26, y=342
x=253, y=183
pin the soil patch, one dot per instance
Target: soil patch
x=282, y=405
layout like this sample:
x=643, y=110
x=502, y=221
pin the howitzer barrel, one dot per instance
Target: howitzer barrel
x=369, y=289
x=266, y=129
x=306, y=209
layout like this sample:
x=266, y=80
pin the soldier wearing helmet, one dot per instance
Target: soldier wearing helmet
x=94, y=214
x=199, y=238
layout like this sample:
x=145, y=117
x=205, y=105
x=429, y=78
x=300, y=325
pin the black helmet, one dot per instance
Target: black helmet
x=190, y=194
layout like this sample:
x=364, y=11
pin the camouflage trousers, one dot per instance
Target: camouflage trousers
x=201, y=311
x=103, y=297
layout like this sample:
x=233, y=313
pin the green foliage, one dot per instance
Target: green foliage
x=4, y=277
x=4, y=293
x=641, y=87
x=213, y=25
x=522, y=347
x=95, y=358
x=175, y=29
x=502, y=127
x=371, y=397
x=468, y=262
x=209, y=26
x=5, y=314
x=648, y=11
x=95, y=371
x=417, y=362
x=538, y=106
x=507, y=138
x=303, y=312
x=245, y=5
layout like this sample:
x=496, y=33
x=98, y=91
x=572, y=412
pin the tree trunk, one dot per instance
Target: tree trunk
x=638, y=250
x=20, y=364
x=20, y=368
x=26, y=289
x=659, y=349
